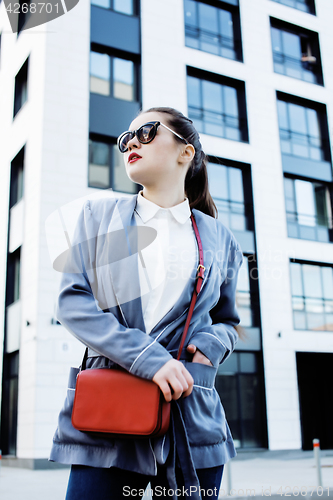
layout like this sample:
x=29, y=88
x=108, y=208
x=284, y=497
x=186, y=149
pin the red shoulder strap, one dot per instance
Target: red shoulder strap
x=199, y=280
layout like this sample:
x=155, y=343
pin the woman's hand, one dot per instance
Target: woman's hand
x=198, y=357
x=174, y=376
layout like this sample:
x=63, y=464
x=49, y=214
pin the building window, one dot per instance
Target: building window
x=312, y=296
x=217, y=107
x=112, y=76
x=107, y=168
x=304, y=5
x=213, y=29
x=122, y=6
x=301, y=131
x=309, y=209
x=247, y=295
x=17, y=178
x=13, y=277
x=9, y=403
x=226, y=188
x=239, y=384
x=21, y=88
x=296, y=52
x=24, y=14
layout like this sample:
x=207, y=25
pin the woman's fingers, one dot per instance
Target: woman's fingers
x=173, y=376
x=166, y=389
x=199, y=357
x=191, y=348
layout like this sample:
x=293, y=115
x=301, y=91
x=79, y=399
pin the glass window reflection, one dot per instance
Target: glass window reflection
x=226, y=187
x=312, y=291
x=303, y=5
x=308, y=209
x=213, y=107
x=300, y=133
x=107, y=169
x=99, y=164
x=123, y=79
x=211, y=29
x=122, y=6
x=291, y=53
x=118, y=82
x=102, y=3
x=99, y=73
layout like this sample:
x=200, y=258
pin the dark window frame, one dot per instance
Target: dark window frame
x=136, y=8
x=290, y=215
x=247, y=189
x=119, y=54
x=110, y=141
x=17, y=178
x=21, y=84
x=307, y=37
x=13, y=279
x=239, y=85
x=240, y=398
x=23, y=16
x=237, y=37
x=304, y=297
x=312, y=7
x=321, y=110
x=8, y=431
x=253, y=292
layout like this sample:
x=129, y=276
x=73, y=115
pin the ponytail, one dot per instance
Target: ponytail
x=196, y=180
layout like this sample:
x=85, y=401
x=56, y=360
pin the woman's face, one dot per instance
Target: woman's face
x=159, y=161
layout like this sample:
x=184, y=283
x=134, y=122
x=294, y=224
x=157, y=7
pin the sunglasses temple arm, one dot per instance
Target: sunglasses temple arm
x=180, y=137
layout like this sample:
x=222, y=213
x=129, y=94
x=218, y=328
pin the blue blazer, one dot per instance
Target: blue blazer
x=99, y=303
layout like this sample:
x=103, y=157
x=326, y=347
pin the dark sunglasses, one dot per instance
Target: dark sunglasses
x=145, y=134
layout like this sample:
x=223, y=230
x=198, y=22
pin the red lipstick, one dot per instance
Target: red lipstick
x=133, y=157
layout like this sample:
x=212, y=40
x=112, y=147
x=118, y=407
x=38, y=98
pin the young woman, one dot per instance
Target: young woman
x=131, y=312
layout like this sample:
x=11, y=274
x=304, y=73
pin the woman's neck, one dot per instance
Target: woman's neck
x=164, y=198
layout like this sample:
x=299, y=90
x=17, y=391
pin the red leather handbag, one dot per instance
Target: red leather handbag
x=119, y=404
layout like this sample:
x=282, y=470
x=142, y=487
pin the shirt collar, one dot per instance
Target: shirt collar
x=147, y=209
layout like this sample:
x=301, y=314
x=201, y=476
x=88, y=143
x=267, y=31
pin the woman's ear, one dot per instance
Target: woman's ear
x=187, y=154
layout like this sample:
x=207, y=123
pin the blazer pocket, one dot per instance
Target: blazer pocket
x=203, y=412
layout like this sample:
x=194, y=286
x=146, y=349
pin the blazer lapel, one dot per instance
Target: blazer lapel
x=124, y=272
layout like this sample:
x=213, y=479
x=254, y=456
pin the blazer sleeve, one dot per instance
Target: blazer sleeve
x=77, y=310
x=218, y=341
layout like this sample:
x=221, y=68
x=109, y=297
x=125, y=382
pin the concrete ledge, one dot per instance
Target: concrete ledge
x=32, y=463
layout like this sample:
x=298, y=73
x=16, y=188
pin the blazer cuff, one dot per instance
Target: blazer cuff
x=150, y=360
x=210, y=346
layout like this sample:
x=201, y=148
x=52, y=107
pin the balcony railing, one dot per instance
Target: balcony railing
x=310, y=227
x=304, y=70
x=215, y=39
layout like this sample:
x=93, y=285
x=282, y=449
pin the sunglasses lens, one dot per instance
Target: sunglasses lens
x=124, y=140
x=146, y=133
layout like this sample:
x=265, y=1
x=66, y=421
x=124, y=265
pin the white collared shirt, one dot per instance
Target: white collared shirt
x=169, y=259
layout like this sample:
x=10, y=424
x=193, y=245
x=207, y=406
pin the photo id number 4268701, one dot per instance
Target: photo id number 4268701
x=288, y=491
x=32, y=7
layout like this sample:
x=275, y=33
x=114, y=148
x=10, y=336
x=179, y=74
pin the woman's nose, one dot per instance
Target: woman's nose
x=133, y=143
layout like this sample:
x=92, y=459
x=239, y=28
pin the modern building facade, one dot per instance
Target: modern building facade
x=257, y=80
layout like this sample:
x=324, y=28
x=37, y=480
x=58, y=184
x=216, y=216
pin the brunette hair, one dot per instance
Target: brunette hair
x=196, y=180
